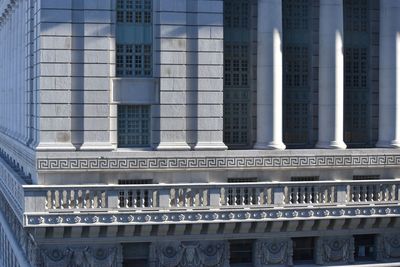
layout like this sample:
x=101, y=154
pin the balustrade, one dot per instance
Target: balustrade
x=211, y=196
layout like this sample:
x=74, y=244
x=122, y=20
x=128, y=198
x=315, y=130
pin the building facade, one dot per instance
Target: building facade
x=199, y=132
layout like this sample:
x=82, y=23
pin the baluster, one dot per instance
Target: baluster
x=53, y=199
x=387, y=197
x=301, y=192
x=317, y=193
x=91, y=195
x=310, y=194
x=76, y=199
x=258, y=196
x=236, y=197
x=370, y=192
x=46, y=201
x=63, y=196
x=142, y=197
x=128, y=199
x=69, y=197
x=150, y=201
x=365, y=193
x=393, y=193
x=298, y=194
x=84, y=200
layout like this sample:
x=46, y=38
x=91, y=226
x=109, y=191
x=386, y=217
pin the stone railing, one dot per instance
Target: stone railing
x=208, y=196
x=208, y=203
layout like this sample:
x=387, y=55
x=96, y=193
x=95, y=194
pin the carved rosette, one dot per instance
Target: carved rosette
x=335, y=250
x=82, y=256
x=273, y=251
x=389, y=247
x=189, y=254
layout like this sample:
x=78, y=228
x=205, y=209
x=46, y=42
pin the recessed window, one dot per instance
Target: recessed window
x=366, y=177
x=241, y=251
x=364, y=247
x=304, y=178
x=303, y=250
x=133, y=126
x=135, y=255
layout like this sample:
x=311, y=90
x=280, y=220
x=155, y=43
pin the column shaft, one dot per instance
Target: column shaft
x=389, y=74
x=269, y=75
x=331, y=75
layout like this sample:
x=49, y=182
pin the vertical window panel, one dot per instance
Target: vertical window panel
x=236, y=72
x=134, y=38
x=356, y=87
x=296, y=78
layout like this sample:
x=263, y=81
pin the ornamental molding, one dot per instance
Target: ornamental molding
x=176, y=253
x=244, y=162
x=218, y=216
x=335, y=250
x=273, y=252
x=85, y=256
x=388, y=247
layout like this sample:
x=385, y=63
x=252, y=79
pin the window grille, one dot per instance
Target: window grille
x=366, y=177
x=134, y=38
x=133, y=126
x=297, y=61
x=356, y=59
x=236, y=72
x=136, y=181
x=304, y=178
x=243, y=180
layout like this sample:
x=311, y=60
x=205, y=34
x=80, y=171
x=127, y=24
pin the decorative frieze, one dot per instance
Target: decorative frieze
x=388, y=247
x=273, y=251
x=189, y=254
x=84, y=256
x=249, y=162
x=217, y=216
x=335, y=250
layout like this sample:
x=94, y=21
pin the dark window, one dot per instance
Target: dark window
x=135, y=255
x=303, y=250
x=304, y=178
x=364, y=247
x=366, y=177
x=241, y=251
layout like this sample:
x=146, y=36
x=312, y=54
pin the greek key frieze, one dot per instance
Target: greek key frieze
x=55, y=164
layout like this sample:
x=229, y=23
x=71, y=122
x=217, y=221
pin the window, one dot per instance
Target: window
x=356, y=86
x=237, y=72
x=297, y=65
x=134, y=38
x=303, y=250
x=364, y=247
x=304, y=178
x=133, y=126
x=135, y=255
x=366, y=177
x=241, y=252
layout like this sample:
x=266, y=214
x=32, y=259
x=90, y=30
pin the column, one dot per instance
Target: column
x=269, y=75
x=331, y=75
x=389, y=74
